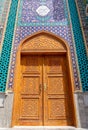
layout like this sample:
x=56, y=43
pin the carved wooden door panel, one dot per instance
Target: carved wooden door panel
x=44, y=96
x=57, y=100
x=30, y=111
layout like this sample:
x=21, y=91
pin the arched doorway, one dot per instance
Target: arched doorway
x=43, y=86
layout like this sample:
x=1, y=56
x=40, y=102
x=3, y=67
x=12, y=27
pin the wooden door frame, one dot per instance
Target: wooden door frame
x=60, y=46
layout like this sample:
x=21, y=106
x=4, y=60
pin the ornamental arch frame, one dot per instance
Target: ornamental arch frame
x=41, y=43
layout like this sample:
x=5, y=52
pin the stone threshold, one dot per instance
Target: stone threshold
x=43, y=128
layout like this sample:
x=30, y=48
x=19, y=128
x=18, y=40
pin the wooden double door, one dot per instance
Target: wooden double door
x=44, y=96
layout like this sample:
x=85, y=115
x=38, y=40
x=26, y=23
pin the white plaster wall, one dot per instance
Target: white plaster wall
x=6, y=103
x=81, y=103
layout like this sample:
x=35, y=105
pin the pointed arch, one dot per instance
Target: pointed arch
x=45, y=43
x=53, y=45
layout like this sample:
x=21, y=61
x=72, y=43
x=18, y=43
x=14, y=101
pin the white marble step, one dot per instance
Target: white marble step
x=42, y=128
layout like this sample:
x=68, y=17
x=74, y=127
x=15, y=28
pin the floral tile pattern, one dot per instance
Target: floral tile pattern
x=28, y=15
x=55, y=21
x=50, y=15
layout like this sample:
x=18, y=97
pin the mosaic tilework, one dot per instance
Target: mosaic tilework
x=29, y=17
x=84, y=18
x=80, y=47
x=62, y=31
x=24, y=28
x=5, y=56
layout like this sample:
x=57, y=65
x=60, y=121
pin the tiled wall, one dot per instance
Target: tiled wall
x=56, y=20
x=84, y=19
x=80, y=45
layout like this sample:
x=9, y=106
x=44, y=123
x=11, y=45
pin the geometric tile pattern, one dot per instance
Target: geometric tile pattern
x=7, y=44
x=82, y=10
x=22, y=32
x=28, y=22
x=80, y=46
x=56, y=21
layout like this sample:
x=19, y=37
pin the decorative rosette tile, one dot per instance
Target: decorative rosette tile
x=43, y=10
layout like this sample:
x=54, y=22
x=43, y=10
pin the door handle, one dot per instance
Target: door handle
x=45, y=87
x=40, y=88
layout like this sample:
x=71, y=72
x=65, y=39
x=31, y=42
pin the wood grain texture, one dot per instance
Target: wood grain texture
x=44, y=92
x=57, y=104
x=43, y=82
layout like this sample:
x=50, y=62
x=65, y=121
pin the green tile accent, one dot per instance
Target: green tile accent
x=7, y=45
x=80, y=46
x=78, y=37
